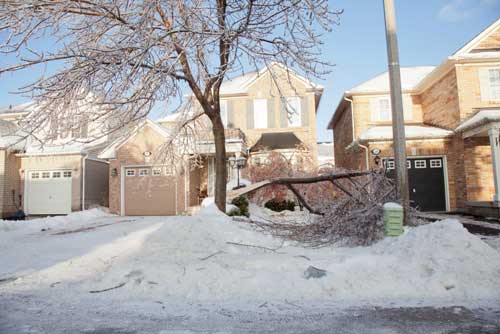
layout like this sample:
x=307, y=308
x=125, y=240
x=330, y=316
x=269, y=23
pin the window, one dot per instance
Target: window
x=35, y=175
x=67, y=174
x=494, y=77
x=56, y=175
x=293, y=111
x=45, y=175
x=223, y=112
x=384, y=109
x=143, y=172
x=130, y=172
x=420, y=164
x=408, y=164
x=436, y=163
x=156, y=171
x=169, y=170
x=389, y=164
x=260, y=113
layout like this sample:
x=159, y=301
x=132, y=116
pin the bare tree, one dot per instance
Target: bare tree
x=132, y=54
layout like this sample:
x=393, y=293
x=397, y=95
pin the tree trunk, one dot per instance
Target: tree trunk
x=220, y=163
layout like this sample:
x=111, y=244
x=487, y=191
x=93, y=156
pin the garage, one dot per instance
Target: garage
x=48, y=192
x=427, y=182
x=149, y=191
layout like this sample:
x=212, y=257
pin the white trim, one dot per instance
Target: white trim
x=122, y=191
x=418, y=164
x=478, y=39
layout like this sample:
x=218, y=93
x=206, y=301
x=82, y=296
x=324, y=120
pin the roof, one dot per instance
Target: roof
x=110, y=151
x=477, y=40
x=411, y=132
x=481, y=118
x=19, y=108
x=240, y=84
x=276, y=141
x=410, y=77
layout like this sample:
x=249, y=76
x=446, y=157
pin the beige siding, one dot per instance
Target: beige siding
x=96, y=183
x=53, y=162
x=492, y=42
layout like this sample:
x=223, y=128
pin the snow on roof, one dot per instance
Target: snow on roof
x=411, y=132
x=410, y=77
x=14, y=109
x=238, y=84
x=482, y=117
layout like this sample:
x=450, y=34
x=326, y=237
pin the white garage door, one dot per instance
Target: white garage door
x=48, y=192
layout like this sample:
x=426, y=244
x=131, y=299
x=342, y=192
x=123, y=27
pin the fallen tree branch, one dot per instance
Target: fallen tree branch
x=211, y=255
x=108, y=289
x=252, y=246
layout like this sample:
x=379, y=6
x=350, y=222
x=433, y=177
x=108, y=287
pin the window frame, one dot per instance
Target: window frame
x=67, y=174
x=257, y=121
x=297, y=111
x=141, y=170
x=133, y=173
x=494, y=86
x=390, y=164
x=440, y=165
x=224, y=115
x=154, y=170
x=418, y=164
x=379, y=109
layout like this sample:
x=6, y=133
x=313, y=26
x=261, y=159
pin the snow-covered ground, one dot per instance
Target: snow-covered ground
x=144, y=262
x=211, y=257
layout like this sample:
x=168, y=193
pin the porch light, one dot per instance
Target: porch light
x=114, y=172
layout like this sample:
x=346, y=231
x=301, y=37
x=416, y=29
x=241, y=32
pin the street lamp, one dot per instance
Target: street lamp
x=238, y=163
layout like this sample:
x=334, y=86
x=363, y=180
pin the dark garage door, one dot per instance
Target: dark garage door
x=426, y=179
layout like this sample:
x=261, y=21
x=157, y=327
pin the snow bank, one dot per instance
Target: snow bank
x=210, y=257
x=75, y=218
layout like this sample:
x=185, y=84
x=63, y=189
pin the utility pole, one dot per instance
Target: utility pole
x=398, y=126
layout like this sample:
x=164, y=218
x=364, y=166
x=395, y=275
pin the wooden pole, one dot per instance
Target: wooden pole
x=398, y=129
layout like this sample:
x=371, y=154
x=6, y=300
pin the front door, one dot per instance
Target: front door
x=426, y=180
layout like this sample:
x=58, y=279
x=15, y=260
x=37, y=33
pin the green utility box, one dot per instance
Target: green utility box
x=393, y=219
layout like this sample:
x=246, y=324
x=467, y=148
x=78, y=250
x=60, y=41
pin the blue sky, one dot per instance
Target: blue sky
x=429, y=31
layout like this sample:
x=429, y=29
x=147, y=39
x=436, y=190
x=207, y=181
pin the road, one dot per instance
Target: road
x=30, y=314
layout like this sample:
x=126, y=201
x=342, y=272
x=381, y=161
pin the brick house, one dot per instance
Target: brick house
x=258, y=118
x=452, y=117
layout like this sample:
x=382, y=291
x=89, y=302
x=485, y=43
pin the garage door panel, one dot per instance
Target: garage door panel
x=149, y=195
x=426, y=180
x=48, y=192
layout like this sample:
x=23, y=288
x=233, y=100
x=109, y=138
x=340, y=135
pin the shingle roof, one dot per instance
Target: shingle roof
x=410, y=77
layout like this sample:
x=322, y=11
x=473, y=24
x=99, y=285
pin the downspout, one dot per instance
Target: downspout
x=83, y=181
x=367, y=157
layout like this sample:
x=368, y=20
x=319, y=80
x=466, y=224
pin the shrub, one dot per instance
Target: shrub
x=278, y=206
x=242, y=203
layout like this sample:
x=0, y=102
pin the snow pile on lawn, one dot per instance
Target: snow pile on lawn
x=213, y=258
x=73, y=219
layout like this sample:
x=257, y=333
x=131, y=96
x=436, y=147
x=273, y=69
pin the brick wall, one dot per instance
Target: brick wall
x=342, y=137
x=478, y=170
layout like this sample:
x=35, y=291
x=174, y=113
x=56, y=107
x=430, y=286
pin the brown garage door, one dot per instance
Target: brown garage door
x=149, y=191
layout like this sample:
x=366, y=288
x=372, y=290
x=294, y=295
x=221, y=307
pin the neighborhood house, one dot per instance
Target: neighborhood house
x=452, y=121
x=273, y=109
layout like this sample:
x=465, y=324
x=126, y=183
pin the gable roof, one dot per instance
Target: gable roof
x=477, y=40
x=241, y=83
x=110, y=151
x=410, y=77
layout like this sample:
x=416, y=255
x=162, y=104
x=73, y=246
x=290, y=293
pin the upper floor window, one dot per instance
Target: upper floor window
x=494, y=78
x=293, y=111
x=223, y=112
x=260, y=113
x=381, y=108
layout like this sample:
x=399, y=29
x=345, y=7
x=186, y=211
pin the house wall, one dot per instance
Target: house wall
x=267, y=88
x=469, y=89
x=9, y=184
x=342, y=137
x=131, y=153
x=478, y=168
x=96, y=183
x=53, y=162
